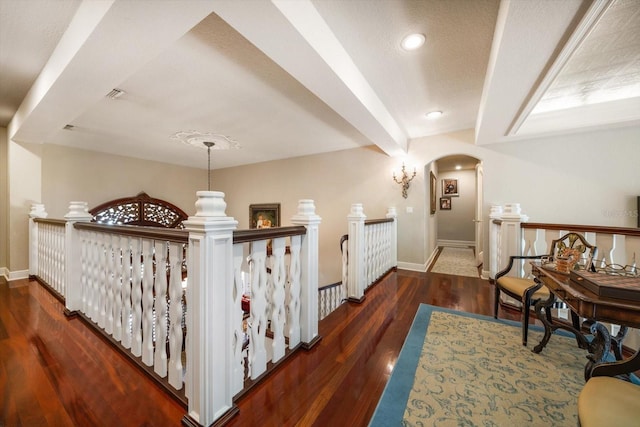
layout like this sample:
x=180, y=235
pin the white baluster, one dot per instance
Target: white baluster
x=122, y=281
x=147, y=303
x=85, y=257
x=257, y=350
x=95, y=285
x=175, y=316
x=102, y=284
x=136, y=298
x=110, y=282
x=294, y=277
x=618, y=251
x=160, y=308
x=278, y=315
x=127, y=282
x=237, y=377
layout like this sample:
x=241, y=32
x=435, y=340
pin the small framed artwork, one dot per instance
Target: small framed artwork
x=445, y=203
x=450, y=187
x=264, y=215
x=432, y=187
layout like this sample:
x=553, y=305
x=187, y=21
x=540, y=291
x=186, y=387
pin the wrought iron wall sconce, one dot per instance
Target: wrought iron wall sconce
x=404, y=180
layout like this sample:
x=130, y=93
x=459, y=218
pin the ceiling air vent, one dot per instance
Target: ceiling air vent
x=115, y=94
x=68, y=127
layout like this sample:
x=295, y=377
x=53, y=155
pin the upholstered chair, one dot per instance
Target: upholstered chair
x=528, y=291
x=609, y=401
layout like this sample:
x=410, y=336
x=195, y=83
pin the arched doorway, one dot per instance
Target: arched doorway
x=457, y=221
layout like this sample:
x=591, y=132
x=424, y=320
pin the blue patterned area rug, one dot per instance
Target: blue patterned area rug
x=461, y=369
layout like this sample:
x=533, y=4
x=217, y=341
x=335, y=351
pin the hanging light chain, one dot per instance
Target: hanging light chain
x=209, y=144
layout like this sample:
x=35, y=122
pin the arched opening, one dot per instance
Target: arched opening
x=456, y=221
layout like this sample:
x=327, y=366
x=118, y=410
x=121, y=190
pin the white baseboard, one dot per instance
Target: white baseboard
x=4, y=273
x=17, y=275
x=485, y=274
x=412, y=266
x=456, y=243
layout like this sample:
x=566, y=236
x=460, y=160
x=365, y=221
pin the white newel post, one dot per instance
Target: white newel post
x=511, y=236
x=494, y=240
x=356, y=270
x=209, y=315
x=37, y=211
x=78, y=211
x=393, y=213
x=309, y=265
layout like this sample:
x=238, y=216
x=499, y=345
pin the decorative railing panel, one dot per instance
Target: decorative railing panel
x=132, y=290
x=329, y=298
x=272, y=324
x=377, y=243
x=252, y=295
x=371, y=250
x=50, y=237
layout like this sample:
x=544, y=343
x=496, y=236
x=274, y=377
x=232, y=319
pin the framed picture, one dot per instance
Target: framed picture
x=433, y=192
x=264, y=215
x=450, y=187
x=445, y=203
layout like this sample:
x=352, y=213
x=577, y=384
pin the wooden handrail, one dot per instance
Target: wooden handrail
x=254, y=234
x=333, y=285
x=584, y=228
x=170, y=234
x=377, y=221
x=50, y=221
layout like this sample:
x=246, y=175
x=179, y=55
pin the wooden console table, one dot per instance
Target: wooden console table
x=595, y=309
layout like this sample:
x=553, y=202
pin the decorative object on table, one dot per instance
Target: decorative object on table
x=625, y=287
x=405, y=179
x=432, y=187
x=450, y=187
x=567, y=259
x=445, y=203
x=264, y=215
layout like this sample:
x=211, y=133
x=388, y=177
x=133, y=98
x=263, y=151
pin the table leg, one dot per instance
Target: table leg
x=550, y=327
x=598, y=348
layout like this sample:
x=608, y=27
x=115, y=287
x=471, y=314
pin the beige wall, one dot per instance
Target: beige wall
x=4, y=202
x=457, y=223
x=69, y=174
x=334, y=181
x=24, y=181
x=588, y=178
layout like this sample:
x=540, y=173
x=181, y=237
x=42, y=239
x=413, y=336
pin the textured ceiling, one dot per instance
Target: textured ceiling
x=605, y=67
x=285, y=79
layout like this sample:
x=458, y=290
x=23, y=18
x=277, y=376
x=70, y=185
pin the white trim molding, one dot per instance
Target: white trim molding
x=16, y=275
x=456, y=243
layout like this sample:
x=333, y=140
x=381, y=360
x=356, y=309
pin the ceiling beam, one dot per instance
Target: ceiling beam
x=100, y=49
x=528, y=37
x=294, y=35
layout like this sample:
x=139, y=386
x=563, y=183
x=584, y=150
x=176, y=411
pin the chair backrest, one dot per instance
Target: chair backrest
x=576, y=242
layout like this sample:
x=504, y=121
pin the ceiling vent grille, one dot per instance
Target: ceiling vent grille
x=115, y=94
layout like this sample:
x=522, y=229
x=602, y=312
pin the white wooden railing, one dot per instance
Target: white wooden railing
x=511, y=233
x=131, y=284
x=371, y=250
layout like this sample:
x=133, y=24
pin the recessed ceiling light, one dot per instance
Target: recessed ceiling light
x=433, y=114
x=458, y=167
x=413, y=41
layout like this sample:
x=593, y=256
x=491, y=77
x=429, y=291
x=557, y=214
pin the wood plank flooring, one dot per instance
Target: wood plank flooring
x=55, y=371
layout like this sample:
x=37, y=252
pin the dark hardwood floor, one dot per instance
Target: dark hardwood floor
x=55, y=371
